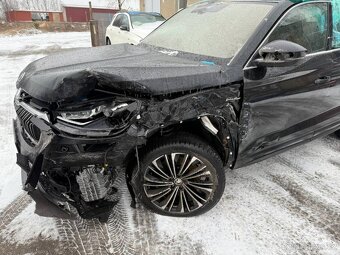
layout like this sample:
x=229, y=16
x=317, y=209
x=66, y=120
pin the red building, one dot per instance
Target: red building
x=27, y=16
x=82, y=14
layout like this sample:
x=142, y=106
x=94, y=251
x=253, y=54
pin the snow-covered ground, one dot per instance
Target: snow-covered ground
x=289, y=204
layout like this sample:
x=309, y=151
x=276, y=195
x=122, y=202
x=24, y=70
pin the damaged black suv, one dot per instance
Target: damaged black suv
x=220, y=84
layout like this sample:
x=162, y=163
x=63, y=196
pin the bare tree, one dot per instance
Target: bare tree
x=120, y=4
x=116, y=3
x=25, y=4
x=43, y=5
x=37, y=5
x=7, y=5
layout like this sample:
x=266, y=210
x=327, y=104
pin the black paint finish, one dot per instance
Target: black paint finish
x=120, y=68
x=289, y=105
x=258, y=110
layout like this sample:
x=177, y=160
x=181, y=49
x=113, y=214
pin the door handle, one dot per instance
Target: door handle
x=322, y=80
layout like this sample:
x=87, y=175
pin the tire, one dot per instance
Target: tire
x=196, y=185
x=108, y=41
x=337, y=133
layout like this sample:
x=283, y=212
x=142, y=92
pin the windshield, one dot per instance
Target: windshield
x=144, y=18
x=215, y=28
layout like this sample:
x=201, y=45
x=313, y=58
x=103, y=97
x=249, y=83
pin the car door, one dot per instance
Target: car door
x=125, y=29
x=114, y=29
x=284, y=106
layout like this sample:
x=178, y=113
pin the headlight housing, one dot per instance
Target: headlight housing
x=84, y=117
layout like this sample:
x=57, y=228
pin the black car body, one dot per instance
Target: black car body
x=88, y=113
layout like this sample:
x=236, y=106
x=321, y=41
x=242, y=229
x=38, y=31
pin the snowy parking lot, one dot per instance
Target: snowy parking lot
x=289, y=204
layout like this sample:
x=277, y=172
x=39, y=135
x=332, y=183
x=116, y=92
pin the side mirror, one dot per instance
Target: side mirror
x=124, y=28
x=280, y=53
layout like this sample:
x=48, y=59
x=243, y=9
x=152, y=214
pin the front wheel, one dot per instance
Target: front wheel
x=182, y=176
x=108, y=41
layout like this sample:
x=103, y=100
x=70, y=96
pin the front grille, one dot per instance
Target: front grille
x=25, y=118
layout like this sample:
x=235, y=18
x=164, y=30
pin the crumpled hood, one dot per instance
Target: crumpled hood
x=118, y=68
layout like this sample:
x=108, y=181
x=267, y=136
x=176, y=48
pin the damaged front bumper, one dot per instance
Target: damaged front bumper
x=63, y=157
x=32, y=136
x=45, y=150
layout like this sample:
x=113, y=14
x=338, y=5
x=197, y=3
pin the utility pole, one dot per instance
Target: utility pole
x=93, y=29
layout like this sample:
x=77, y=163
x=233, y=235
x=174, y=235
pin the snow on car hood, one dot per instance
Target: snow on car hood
x=144, y=30
x=119, y=68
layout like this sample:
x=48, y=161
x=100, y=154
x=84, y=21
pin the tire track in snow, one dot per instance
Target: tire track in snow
x=118, y=225
x=145, y=231
x=37, y=247
x=87, y=237
x=149, y=241
x=122, y=234
x=84, y=237
x=14, y=209
x=304, y=205
x=297, y=242
x=319, y=213
x=333, y=191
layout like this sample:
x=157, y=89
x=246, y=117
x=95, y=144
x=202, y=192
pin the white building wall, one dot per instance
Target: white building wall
x=132, y=5
x=153, y=6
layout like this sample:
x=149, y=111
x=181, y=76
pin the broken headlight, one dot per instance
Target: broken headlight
x=82, y=115
x=85, y=117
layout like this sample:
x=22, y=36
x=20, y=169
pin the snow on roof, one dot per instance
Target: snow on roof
x=85, y=3
x=56, y=5
x=100, y=4
x=36, y=5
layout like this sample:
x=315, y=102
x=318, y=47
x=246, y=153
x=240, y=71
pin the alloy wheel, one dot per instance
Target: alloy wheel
x=179, y=183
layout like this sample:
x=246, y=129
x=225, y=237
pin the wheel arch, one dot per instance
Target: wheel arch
x=221, y=142
x=107, y=37
x=194, y=127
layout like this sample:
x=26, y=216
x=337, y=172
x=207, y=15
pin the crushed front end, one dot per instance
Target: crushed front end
x=73, y=155
x=84, y=116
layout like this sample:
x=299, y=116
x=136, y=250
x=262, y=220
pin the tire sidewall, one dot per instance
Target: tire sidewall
x=207, y=155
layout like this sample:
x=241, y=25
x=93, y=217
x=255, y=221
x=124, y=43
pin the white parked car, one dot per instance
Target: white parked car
x=132, y=27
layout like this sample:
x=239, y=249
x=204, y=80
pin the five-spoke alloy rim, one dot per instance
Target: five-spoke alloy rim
x=179, y=183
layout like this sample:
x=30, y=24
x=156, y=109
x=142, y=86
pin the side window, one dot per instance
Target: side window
x=118, y=21
x=125, y=21
x=336, y=23
x=306, y=25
